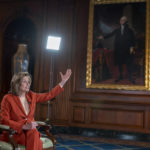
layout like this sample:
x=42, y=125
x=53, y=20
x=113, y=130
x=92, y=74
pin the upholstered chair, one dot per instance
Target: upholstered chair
x=48, y=139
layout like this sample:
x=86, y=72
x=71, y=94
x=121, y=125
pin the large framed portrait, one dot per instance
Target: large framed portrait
x=118, y=45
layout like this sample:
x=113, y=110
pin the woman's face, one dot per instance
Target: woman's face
x=25, y=84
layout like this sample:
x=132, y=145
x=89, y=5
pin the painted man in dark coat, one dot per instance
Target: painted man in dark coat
x=124, y=44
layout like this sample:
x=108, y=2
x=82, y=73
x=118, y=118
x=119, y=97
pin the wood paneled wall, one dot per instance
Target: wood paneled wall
x=77, y=106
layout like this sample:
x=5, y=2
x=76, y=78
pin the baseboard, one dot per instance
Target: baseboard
x=111, y=134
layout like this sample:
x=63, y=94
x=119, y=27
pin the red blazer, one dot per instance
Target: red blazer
x=12, y=111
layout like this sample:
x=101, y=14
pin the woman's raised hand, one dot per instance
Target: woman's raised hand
x=65, y=77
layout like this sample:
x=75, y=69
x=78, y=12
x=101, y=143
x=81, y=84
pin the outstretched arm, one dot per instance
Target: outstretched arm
x=65, y=77
x=41, y=97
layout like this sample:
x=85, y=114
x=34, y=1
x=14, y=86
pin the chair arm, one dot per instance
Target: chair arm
x=7, y=128
x=44, y=125
x=47, y=128
x=4, y=127
x=10, y=134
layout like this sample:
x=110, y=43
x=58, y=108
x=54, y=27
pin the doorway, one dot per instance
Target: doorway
x=19, y=30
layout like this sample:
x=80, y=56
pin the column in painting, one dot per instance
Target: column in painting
x=21, y=59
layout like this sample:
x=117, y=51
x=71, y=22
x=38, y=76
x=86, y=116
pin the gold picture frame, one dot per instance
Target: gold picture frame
x=97, y=71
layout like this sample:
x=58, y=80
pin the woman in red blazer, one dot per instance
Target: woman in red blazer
x=18, y=107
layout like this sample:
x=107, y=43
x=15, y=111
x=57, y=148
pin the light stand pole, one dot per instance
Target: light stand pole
x=53, y=45
x=50, y=85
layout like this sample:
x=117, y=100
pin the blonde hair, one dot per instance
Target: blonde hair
x=16, y=81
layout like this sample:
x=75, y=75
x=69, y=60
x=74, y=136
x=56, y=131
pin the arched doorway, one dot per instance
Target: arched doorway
x=20, y=30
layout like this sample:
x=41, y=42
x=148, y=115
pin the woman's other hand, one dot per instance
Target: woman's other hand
x=30, y=126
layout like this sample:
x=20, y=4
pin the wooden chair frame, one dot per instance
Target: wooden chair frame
x=43, y=125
